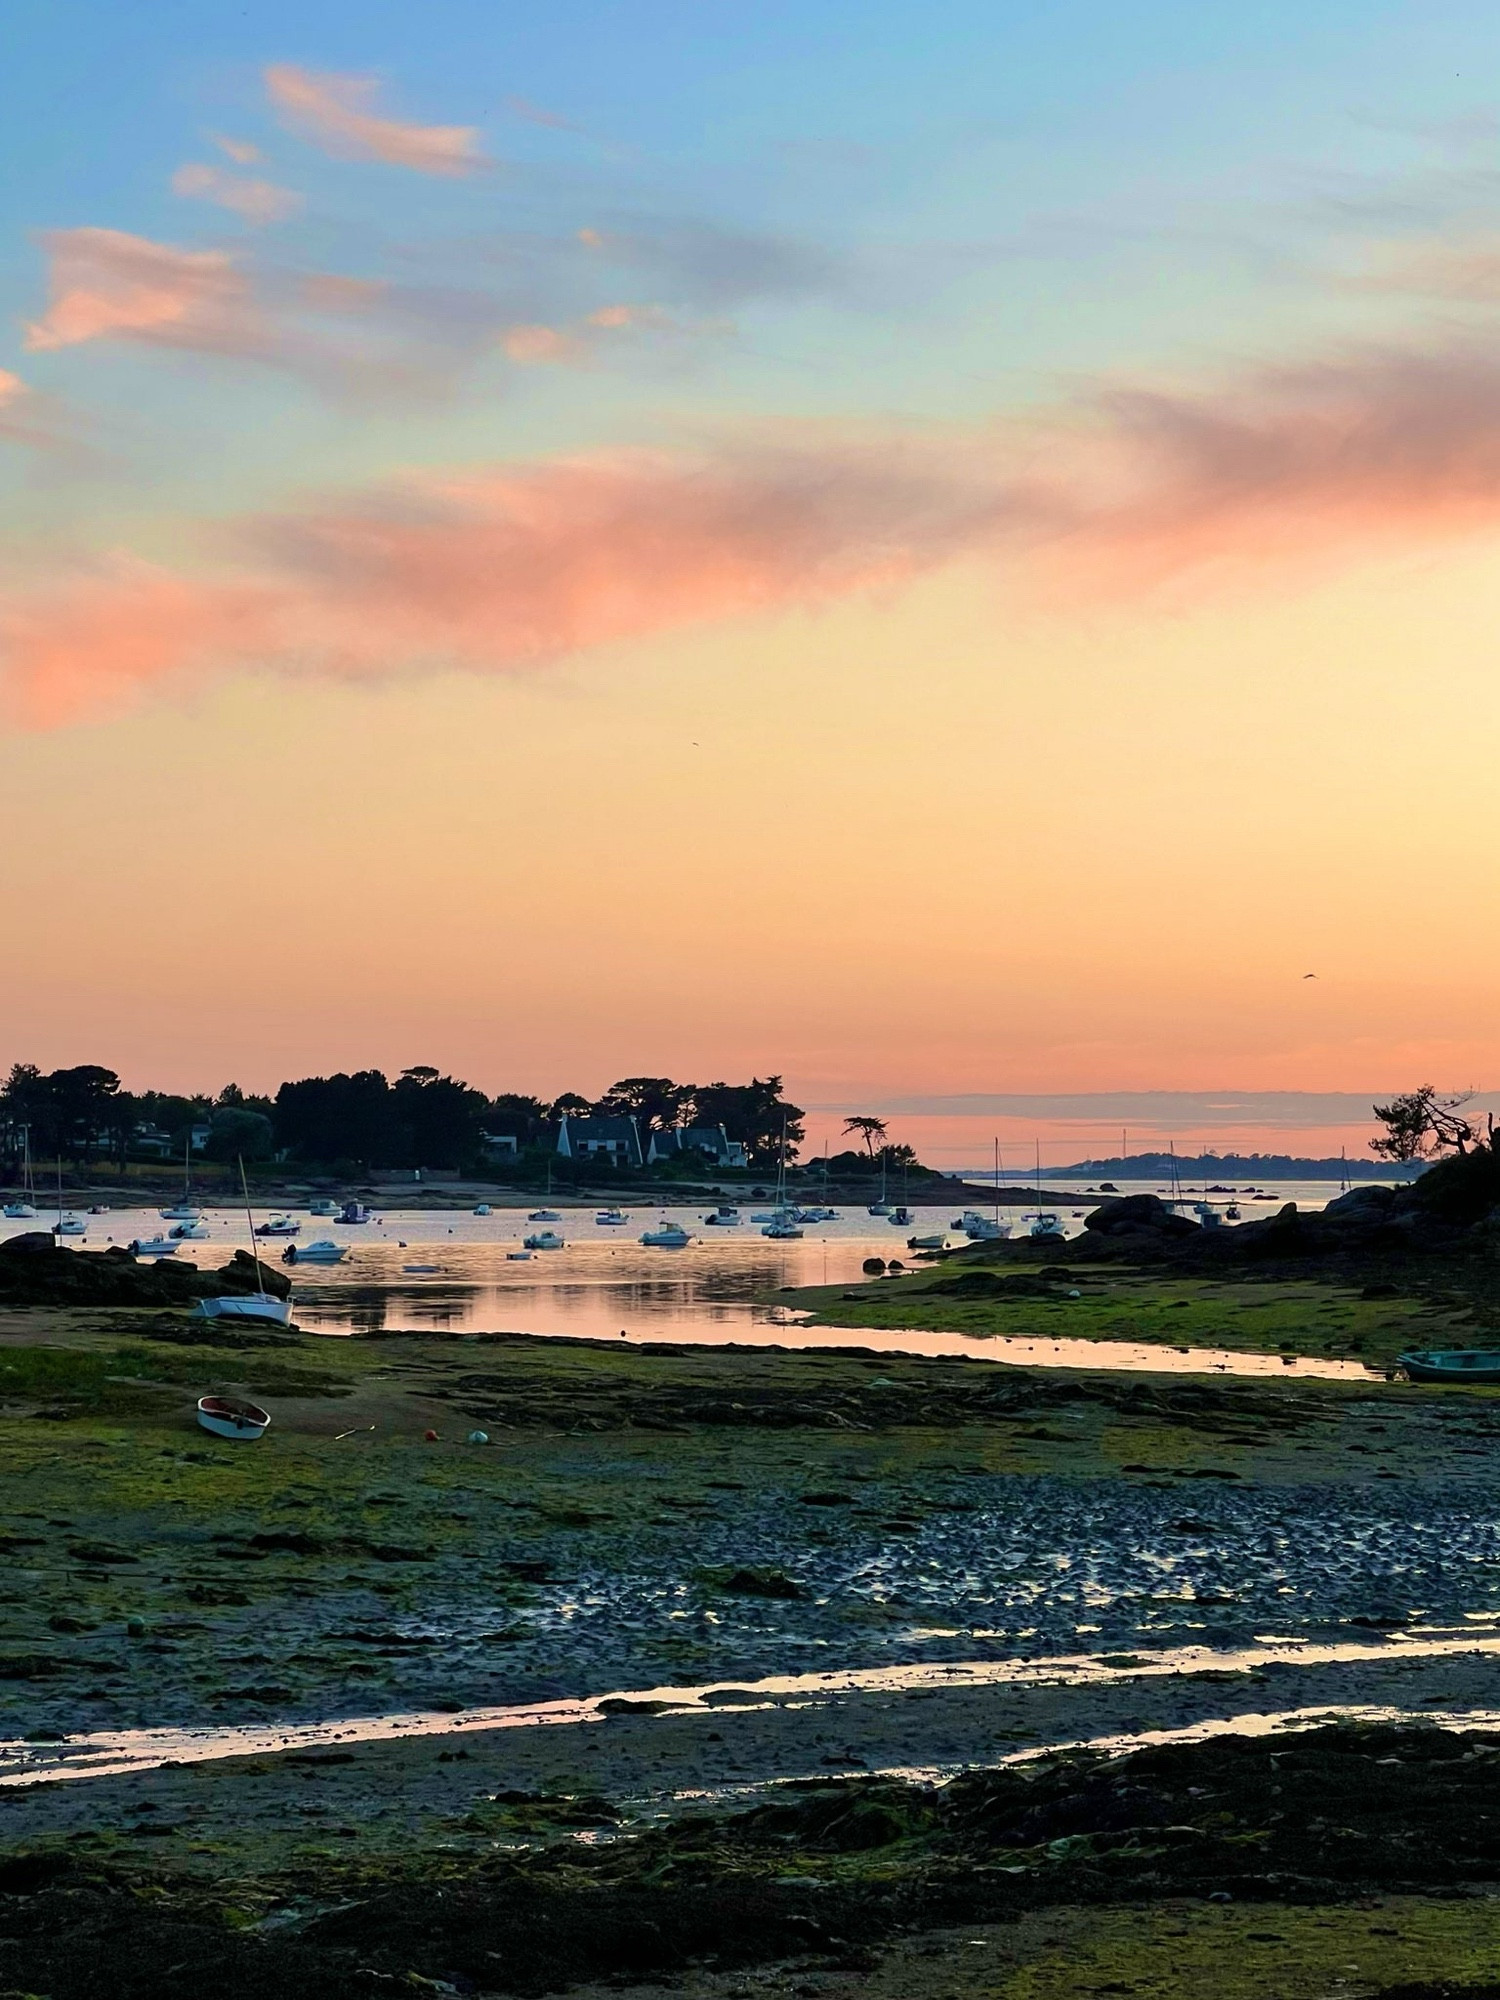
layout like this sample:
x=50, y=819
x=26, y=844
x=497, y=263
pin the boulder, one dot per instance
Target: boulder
x=1138, y=1215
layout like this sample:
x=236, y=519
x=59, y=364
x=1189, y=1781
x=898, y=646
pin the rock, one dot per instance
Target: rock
x=1137, y=1214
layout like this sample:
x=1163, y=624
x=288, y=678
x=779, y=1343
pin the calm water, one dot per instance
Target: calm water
x=451, y=1270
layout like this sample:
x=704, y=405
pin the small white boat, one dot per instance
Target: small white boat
x=878, y=1208
x=185, y=1230
x=70, y=1225
x=611, y=1218
x=782, y=1229
x=518, y=1256
x=482, y=1208
x=926, y=1242
x=322, y=1206
x=901, y=1218
x=23, y=1208
x=670, y=1236
x=226, y=1417
x=544, y=1215
x=100, y=1208
x=279, y=1225
x=1045, y=1227
x=180, y=1211
x=245, y=1305
x=353, y=1212
x=544, y=1239
x=323, y=1251
x=766, y=1215
x=982, y=1228
x=154, y=1246
x=723, y=1217
x=19, y=1211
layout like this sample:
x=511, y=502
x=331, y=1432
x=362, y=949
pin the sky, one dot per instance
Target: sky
x=944, y=552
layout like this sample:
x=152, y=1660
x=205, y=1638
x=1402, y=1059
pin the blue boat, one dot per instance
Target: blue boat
x=1452, y=1364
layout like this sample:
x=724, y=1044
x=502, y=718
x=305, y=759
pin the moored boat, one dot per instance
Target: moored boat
x=245, y=1305
x=544, y=1215
x=323, y=1251
x=227, y=1417
x=183, y=1231
x=544, y=1239
x=669, y=1236
x=70, y=1225
x=611, y=1218
x=483, y=1208
x=1451, y=1364
x=278, y=1225
x=354, y=1211
x=153, y=1246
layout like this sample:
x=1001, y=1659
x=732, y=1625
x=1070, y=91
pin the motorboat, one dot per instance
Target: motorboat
x=544, y=1239
x=723, y=1217
x=926, y=1242
x=19, y=1211
x=544, y=1215
x=1208, y=1215
x=1232, y=1213
x=669, y=1236
x=323, y=1206
x=227, y=1417
x=782, y=1229
x=1453, y=1364
x=154, y=1246
x=878, y=1208
x=70, y=1225
x=611, y=1218
x=983, y=1228
x=180, y=1211
x=278, y=1225
x=901, y=1218
x=483, y=1208
x=1045, y=1227
x=246, y=1305
x=100, y=1208
x=185, y=1231
x=323, y=1251
x=353, y=1212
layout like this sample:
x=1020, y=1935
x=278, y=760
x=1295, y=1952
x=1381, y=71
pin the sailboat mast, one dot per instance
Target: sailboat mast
x=254, y=1252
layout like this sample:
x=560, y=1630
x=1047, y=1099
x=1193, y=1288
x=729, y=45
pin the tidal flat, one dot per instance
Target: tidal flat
x=1118, y=1553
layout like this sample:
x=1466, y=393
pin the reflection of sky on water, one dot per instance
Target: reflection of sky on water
x=605, y=1282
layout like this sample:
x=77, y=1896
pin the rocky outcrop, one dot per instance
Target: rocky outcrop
x=35, y=1270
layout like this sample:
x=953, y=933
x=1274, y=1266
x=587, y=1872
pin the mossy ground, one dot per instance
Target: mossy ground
x=1241, y=1316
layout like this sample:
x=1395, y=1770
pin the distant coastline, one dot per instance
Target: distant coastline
x=1217, y=1166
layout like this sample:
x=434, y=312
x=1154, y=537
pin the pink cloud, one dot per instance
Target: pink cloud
x=531, y=346
x=109, y=285
x=12, y=388
x=239, y=150
x=254, y=201
x=337, y=113
x=534, y=114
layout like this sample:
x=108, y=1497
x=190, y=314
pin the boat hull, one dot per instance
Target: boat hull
x=232, y=1420
x=247, y=1305
x=1459, y=1364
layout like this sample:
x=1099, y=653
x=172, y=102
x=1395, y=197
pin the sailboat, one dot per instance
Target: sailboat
x=24, y=1209
x=66, y=1224
x=257, y=1305
x=984, y=1228
x=184, y=1210
x=783, y=1226
x=881, y=1207
x=1045, y=1227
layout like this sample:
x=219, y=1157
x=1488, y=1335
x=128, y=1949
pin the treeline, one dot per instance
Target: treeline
x=364, y=1120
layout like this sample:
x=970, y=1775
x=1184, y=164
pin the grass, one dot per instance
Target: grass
x=1300, y=1317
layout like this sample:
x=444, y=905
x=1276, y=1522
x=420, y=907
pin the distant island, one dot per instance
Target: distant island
x=1225, y=1167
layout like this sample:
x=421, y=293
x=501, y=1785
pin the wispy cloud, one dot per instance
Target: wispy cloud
x=337, y=113
x=534, y=114
x=106, y=284
x=241, y=151
x=254, y=201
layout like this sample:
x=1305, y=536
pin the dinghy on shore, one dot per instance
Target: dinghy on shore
x=1453, y=1364
x=228, y=1418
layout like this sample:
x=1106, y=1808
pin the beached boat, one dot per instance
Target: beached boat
x=154, y=1246
x=227, y=1417
x=783, y=1228
x=670, y=1236
x=544, y=1215
x=518, y=1256
x=184, y=1231
x=279, y=1225
x=256, y=1305
x=544, y=1239
x=100, y=1208
x=723, y=1217
x=323, y=1251
x=611, y=1218
x=323, y=1206
x=1452, y=1364
x=354, y=1212
x=483, y=1208
x=926, y=1242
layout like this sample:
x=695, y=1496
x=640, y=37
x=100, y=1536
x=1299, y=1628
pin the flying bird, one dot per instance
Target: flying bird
x=1309, y=975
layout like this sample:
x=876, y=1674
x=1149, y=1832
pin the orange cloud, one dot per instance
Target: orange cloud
x=106, y=284
x=239, y=150
x=254, y=201
x=336, y=112
x=491, y=573
x=530, y=346
x=12, y=388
